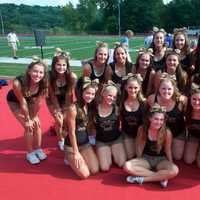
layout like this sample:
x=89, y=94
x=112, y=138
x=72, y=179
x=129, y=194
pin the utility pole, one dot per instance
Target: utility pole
x=119, y=18
x=2, y=24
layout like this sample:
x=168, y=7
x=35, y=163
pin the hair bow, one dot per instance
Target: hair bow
x=148, y=51
x=101, y=44
x=156, y=29
x=138, y=77
x=182, y=30
x=87, y=82
x=156, y=108
x=195, y=88
x=165, y=75
x=60, y=52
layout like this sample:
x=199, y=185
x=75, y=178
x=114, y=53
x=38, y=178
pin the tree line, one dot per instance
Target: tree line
x=101, y=16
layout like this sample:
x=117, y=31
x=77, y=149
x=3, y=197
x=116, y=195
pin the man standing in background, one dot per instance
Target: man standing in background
x=13, y=41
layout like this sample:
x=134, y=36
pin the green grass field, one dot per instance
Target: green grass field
x=80, y=47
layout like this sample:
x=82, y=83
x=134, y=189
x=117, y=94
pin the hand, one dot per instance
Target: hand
x=59, y=116
x=36, y=121
x=78, y=159
x=29, y=125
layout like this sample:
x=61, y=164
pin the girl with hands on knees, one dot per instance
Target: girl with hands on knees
x=78, y=151
x=61, y=92
x=24, y=100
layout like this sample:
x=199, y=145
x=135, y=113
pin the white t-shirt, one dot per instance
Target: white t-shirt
x=12, y=37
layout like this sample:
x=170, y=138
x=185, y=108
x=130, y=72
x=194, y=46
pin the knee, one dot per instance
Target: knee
x=105, y=168
x=95, y=170
x=128, y=167
x=84, y=175
x=189, y=160
x=174, y=171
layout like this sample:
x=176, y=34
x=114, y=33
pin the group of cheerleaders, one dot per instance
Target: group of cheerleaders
x=142, y=116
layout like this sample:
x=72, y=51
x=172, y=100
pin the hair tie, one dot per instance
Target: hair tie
x=138, y=77
x=60, y=52
x=147, y=51
x=88, y=82
x=101, y=44
x=195, y=88
x=165, y=75
x=180, y=30
x=156, y=108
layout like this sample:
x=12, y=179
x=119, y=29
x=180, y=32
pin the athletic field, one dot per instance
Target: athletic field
x=80, y=48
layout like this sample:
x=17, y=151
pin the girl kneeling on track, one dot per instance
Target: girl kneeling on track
x=78, y=151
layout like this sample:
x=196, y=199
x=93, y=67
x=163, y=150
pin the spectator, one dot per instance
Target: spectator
x=12, y=42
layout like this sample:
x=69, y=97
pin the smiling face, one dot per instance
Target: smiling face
x=36, y=73
x=157, y=120
x=166, y=89
x=61, y=66
x=172, y=63
x=179, y=41
x=120, y=55
x=102, y=55
x=89, y=94
x=144, y=61
x=195, y=101
x=159, y=39
x=109, y=95
x=132, y=88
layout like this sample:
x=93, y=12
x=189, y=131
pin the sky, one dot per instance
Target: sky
x=40, y=2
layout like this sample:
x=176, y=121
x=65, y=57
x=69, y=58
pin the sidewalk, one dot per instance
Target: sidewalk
x=73, y=63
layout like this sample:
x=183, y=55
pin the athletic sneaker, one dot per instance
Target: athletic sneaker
x=135, y=179
x=164, y=183
x=61, y=145
x=66, y=162
x=32, y=158
x=40, y=154
x=92, y=139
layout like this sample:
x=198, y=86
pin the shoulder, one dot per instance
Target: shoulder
x=151, y=99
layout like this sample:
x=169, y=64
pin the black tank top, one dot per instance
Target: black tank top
x=159, y=65
x=117, y=79
x=194, y=128
x=107, y=128
x=93, y=75
x=81, y=130
x=61, y=94
x=146, y=81
x=132, y=120
x=150, y=148
x=11, y=97
x=175, y=120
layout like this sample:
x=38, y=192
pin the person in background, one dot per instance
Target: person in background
x=13, y=41
x=125, y=42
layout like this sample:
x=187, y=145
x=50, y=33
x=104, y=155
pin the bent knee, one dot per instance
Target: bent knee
x=174, y=171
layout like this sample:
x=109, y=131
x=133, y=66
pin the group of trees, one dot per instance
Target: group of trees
x=101, y=16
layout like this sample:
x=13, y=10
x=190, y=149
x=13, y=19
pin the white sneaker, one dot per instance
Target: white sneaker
x=40, y=154
x=164, y=183
x=92, y=139
x=135, y=179
x=66, y=162
x=32, y=158
x=61, y=145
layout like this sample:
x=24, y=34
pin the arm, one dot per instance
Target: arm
x=108, y=74
x=139, y=142
x=150, y=87
x=86, y=70
x=22, y=101
x=168, y=145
